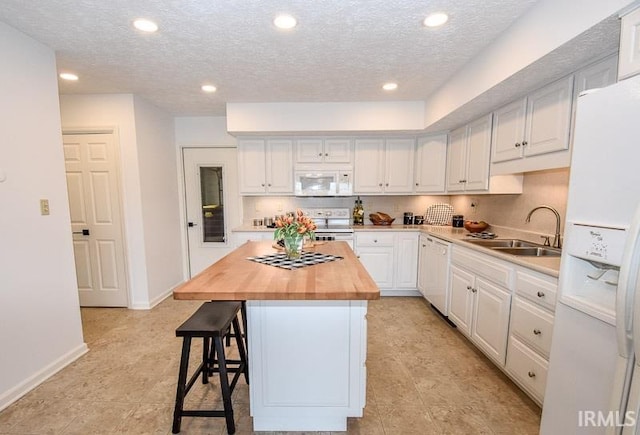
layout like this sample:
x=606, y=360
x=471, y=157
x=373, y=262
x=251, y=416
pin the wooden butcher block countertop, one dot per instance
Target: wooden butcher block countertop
x=235, y=278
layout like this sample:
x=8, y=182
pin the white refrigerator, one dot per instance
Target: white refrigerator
x=593, y=382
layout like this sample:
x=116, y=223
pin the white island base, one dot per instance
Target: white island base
x=307, y=367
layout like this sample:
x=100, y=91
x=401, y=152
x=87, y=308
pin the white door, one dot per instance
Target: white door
x=399, y=165
x=280, y=166
x=369, y=166
x=457, y=160
x=431, y=163
x=478, y=154
x=337, y=150
x=461, y=299
x=212, y=203
x=379, y=264
x=96, y=222
x=491, y=319
x=508, y=131
x=252, y=155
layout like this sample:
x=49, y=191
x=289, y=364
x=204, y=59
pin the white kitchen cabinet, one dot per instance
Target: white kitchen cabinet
x=265, y=166
x=469, y=157
x=535, y=125
x=384, y=166
x=433, y=272
x=597, y=75
x=317, y=150
x=629, y=62
x=391, y=258
x=376, y=253
x=490, y=327
x=406, y=261
x=548, y=119
x=242, y=237
x=480, y=300
x=531, y=331
x=460, y=298
x=430, y=164
x=508, y=131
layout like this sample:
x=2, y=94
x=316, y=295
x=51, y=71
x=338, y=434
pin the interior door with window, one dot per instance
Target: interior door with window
x=96, y=222
x=212, y=203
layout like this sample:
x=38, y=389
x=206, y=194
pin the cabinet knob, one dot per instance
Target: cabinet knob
x=468, y=287
x=540, y=294
x=326, y=154
x=387, y=184
x=517, y=144
x=524, y=143
x=380, y=184
x=537, y=332
x=424, y=246
x=262, y=184
x=375, y=240
x=417, y=184
x=269, y=184
x=474, y=290
x=320, y=154
x=531, y=374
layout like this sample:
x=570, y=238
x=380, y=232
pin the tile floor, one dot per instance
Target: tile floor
x=424, y=378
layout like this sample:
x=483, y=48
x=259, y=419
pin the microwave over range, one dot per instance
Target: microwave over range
x=324, y=183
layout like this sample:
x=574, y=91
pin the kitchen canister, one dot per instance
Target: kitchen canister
x=457, y=221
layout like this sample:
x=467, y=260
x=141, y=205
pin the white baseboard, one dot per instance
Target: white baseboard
x=155, y=301
x=15, y=393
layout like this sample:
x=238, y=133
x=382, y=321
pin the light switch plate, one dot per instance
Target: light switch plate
x=44, y=207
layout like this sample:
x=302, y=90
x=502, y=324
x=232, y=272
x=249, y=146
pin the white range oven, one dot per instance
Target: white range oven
x=333, y=223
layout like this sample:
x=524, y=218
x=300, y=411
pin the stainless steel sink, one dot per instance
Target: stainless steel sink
x=530, y=251
x=504, y=243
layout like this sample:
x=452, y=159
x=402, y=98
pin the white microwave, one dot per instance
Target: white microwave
x=323, y=183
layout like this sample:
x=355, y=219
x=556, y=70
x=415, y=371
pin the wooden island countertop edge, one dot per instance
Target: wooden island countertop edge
x=234, y=277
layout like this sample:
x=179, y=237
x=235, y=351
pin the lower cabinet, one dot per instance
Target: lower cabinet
x=242, y=237
x=480, y=310
x=391, y=258
x=530, y=331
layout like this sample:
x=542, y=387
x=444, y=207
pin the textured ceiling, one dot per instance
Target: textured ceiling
x=341, y=50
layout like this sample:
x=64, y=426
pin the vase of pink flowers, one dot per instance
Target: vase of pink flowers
x=292, y=230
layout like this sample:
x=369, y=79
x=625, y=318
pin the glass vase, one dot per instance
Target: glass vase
x=293, y=246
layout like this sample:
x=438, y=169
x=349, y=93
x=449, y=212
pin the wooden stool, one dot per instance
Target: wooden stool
x=213, y=321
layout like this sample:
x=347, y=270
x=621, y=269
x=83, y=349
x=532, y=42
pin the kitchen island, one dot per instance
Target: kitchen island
x=307, y=334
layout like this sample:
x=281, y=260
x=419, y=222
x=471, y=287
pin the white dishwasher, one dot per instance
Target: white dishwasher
x=433, y=273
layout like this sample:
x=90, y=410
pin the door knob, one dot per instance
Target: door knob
x=84, y=232
x=192, y=224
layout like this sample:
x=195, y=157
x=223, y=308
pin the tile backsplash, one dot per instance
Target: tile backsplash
x=543, y=187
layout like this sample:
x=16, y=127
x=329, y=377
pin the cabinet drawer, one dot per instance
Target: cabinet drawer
x=533, y=325
x=528, y=368
x=539, y=290
x=374, y=239
x=483, y=265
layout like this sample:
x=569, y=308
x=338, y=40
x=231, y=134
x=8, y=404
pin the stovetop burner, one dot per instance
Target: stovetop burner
x=482, y=235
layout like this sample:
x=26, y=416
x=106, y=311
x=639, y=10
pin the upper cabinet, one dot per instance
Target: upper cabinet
x=265, y=166
x=315, y=150
x=384, y=166
x=533, y=133
x=430, y=164
x=596, y=75
x=535, y=125
x=468, y=158
x=629, y=62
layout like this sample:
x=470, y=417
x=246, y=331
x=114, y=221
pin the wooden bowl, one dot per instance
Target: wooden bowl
x=475, y=227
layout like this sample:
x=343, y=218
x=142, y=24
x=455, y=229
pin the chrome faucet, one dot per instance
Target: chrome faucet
x=556, y=238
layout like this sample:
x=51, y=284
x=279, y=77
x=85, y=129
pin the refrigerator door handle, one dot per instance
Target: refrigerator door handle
x=627, y=305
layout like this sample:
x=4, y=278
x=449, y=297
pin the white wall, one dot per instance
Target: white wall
x=325, y=117
x=159, y=188
x=203, y=131
x=40, y=328
x=116, y=111
x=545, y=27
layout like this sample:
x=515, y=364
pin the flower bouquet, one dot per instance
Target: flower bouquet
x=292, y=230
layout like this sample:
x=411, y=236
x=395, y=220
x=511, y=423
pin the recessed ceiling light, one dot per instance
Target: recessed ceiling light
x=390, y=86
x=436, y=19
x=208, y=88
x=145, y=25
x=69, y=76
x=285, y=21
